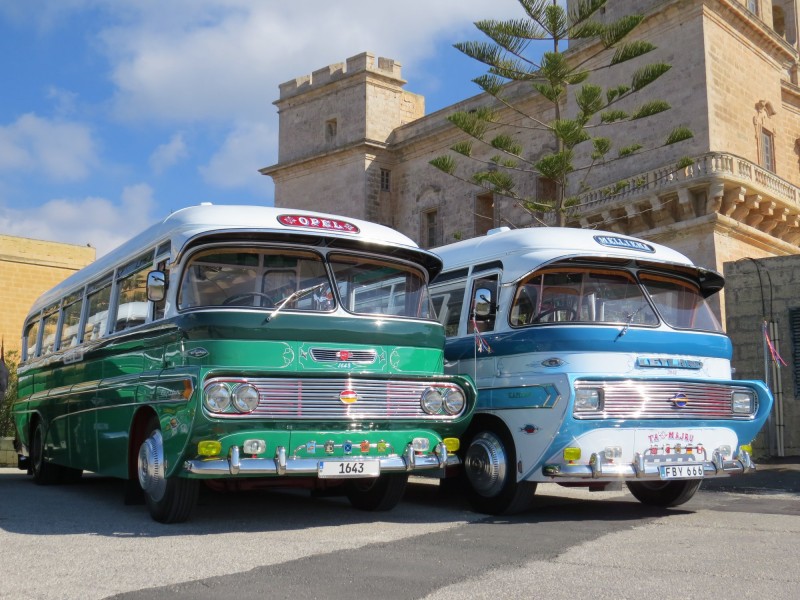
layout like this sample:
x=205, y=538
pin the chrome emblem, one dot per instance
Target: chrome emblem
x=679, y=400
x=529, y=429
x=348, y=397
x=197, y=353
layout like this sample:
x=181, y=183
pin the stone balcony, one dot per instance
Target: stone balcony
x=713, y=183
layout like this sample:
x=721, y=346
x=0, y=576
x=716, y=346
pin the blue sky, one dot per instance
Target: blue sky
x=113, y=113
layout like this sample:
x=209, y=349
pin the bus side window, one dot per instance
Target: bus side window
x=49, y=326
x=31, y=338
x=449, y=300
x=483, y=310
x=73, y=306
x=98, y=300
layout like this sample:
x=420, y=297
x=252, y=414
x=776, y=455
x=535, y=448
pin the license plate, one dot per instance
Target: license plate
x=335, y=469
x=693, y=471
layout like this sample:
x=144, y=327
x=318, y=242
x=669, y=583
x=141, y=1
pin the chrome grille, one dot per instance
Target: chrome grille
x=354, y=356
x=633, y=399
x=318, y=399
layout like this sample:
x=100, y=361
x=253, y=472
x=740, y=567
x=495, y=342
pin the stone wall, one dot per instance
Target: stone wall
x=758, y=291
x=27, y=269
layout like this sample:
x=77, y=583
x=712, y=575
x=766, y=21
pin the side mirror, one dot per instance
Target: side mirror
x=156, y=286
x=482, y=303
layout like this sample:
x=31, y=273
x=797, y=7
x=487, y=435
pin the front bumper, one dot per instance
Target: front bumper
x=642, y=469
x=280, y=465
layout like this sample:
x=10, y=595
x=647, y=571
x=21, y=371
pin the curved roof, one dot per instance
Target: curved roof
x=524, y=250
x=183, y=225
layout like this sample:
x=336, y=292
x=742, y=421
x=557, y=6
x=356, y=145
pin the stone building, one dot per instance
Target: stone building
x=353, y=141
x=28, y=268
x=763, y=309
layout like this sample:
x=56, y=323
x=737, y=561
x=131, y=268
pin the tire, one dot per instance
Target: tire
x=663, y=493
x=377, y=494
x=489, y=470
x=169, y=499
x=44, y=473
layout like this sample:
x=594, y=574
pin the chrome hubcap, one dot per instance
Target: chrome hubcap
x=151, y=466
x=485, y=464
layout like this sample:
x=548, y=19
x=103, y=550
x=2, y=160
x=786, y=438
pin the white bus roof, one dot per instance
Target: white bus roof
x=524, y=250
x=183, y=225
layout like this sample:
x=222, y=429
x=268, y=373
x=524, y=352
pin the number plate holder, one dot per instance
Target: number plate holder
x=344, y=469
x=681, y=471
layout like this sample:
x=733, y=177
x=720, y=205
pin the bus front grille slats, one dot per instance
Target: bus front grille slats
x=319, y=399
x=660, y=400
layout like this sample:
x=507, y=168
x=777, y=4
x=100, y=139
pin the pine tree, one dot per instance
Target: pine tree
x=512, y=60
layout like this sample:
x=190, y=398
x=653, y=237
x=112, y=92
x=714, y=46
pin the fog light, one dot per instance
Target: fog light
x=572, y=453
x=746, y=448
x=725, y=451
x=588, y=399
x=254, y=446
x=743, y=402
x=452, y=444
x=209, y=448
x=421, y=444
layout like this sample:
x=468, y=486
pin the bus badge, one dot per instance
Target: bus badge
x=347, y=447
x=348, y=397
x=329, y=447
x=381, y=446
x=365, y=446
x=311, y=447
x=679, y=400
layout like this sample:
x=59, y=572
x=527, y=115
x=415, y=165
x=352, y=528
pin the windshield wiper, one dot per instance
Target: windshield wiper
x=294, y=296
x=628, y=320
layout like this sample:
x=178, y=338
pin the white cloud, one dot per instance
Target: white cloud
x=223, y=59
x=169, y=154
x=59, y=150
x=248, y=147
x=98, y=222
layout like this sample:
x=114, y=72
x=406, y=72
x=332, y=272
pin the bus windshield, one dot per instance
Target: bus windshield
x=262, y=278
x=373, y=286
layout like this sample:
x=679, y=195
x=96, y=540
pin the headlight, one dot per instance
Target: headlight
x=217, y=397
x=454, y=401
x=588, y=399
x=431, y=401
x=245, y=398
x=743, y=402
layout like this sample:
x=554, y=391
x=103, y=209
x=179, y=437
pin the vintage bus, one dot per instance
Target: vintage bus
x=243, y=346
x=598, y=361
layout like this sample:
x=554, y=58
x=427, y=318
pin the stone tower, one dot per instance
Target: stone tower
x=336, y=127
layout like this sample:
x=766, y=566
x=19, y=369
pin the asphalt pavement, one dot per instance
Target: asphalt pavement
x=774, y=474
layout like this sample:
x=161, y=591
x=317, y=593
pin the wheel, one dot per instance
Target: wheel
x=489, y=462
x=169, y=499
x=379, y=493
x=664, y=493
x=247, y=300
x=44, y=473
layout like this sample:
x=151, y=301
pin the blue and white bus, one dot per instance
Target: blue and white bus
x=598, y=360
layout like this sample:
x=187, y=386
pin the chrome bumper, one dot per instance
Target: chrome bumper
x=718, y=466
x=408, y=462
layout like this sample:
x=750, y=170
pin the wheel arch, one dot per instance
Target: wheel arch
x=136, y=437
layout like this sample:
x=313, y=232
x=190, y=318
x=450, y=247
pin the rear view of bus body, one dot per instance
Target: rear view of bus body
x=597, y=360
x=244, y=346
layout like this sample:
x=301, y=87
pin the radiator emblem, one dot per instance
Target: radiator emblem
x=348, y=397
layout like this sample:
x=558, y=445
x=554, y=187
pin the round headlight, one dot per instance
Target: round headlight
x=454, y=401
x=245, y=398
x=431, y=401
x=217, y=397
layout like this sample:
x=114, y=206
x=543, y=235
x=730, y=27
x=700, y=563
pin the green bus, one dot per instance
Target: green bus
x=243, y=346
